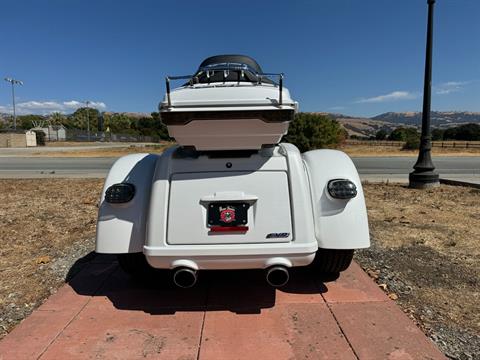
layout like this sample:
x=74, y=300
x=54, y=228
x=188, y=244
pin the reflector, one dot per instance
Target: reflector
x=120, y=193
x=342, y=189
x=229, y=228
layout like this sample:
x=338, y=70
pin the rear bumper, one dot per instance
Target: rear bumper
x=211, y=257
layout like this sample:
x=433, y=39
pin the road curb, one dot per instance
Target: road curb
x=459, y=183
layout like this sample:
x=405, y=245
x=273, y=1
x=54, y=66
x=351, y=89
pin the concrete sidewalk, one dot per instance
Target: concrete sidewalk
x=103, y=314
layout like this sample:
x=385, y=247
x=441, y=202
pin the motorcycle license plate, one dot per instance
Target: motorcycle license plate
x=228, y=214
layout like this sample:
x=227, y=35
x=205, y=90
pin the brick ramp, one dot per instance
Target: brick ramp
x=102, y=314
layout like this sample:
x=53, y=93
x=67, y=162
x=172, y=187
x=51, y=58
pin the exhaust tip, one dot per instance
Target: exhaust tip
x=277, y=276
x=185, y=277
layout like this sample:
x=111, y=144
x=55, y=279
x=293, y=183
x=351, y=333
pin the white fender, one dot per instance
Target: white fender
x=121, y=227
x=339, y=224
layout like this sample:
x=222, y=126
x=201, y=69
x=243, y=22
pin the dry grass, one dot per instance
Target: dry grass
x=366, y=150
x=42, y=222
x=105, y=152
x=445, y=219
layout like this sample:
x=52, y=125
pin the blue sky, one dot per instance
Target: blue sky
x=349, y=56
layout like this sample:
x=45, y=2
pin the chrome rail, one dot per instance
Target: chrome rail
x=210, y=70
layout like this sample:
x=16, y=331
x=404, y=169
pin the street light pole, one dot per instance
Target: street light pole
x=14, y=82
x=424, y=175
x=88, y=120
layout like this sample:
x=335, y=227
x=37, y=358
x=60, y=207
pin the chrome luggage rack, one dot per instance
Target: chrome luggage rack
x=226, y=69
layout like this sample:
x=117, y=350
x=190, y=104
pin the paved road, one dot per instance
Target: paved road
x=375, y=168
x=398, y=168
x=32, y=167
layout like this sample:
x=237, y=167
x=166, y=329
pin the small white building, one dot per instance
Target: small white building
x=53, y=133
x=31, y=138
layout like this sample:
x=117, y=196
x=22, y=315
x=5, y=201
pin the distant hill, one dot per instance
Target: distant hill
x=135, y=115
x=442, y=119
x=363, y=126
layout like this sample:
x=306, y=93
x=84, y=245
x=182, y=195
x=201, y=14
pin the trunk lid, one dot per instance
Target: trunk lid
x=204, y=201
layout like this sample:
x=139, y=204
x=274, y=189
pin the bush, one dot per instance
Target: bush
x=381, y=135
x=314, y=131
x=402, y=134
x=467, y=132
x=437, y=134
x=40, y=136
x=412, y=142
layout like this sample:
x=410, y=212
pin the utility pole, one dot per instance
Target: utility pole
x=424, y=175
x=88, y=119
x=14, y=82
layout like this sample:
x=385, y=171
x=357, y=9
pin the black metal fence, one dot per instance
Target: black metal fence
x=82, y=136
x=443, y=144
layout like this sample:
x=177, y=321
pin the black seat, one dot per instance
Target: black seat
x=239, y=59
x=249, y=75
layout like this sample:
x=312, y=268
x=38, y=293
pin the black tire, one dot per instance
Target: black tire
x=330, y=261
x=135, y=264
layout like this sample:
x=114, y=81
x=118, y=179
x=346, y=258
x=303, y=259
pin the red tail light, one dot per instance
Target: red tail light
x=229, y=229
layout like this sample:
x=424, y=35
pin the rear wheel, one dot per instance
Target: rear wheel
x=332, y=261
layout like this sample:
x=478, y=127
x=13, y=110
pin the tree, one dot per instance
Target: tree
x=57, y=118
x=381, y=134
x=151, y=126
x=117, y=123
x=162, y=130
x=79, y=118
x=466, y=132
x=29, y=121
x=314, y=131
x=437, y=134
x=402, y=134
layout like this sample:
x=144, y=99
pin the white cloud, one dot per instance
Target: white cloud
x=47, y=107
x=74, y=104
x=39, y=106
x=393, y=96
x=450, y=87
x=337, y=108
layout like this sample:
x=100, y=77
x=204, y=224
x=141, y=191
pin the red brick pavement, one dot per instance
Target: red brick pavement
x=102, y=314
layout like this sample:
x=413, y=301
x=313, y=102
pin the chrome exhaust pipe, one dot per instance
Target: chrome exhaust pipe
x=185, y=277
x=277, y=276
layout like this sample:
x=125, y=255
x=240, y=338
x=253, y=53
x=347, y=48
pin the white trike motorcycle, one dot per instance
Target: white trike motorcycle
x=230, y=196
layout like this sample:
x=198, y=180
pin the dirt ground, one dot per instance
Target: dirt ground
x=102, y=152
x=366, y=150
x=425, y=252
x=45, y=226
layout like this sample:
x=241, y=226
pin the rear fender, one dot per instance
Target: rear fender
x=121, y=227
x=339, y=224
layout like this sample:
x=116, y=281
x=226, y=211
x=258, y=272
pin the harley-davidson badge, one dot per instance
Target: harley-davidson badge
x=227, y=214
